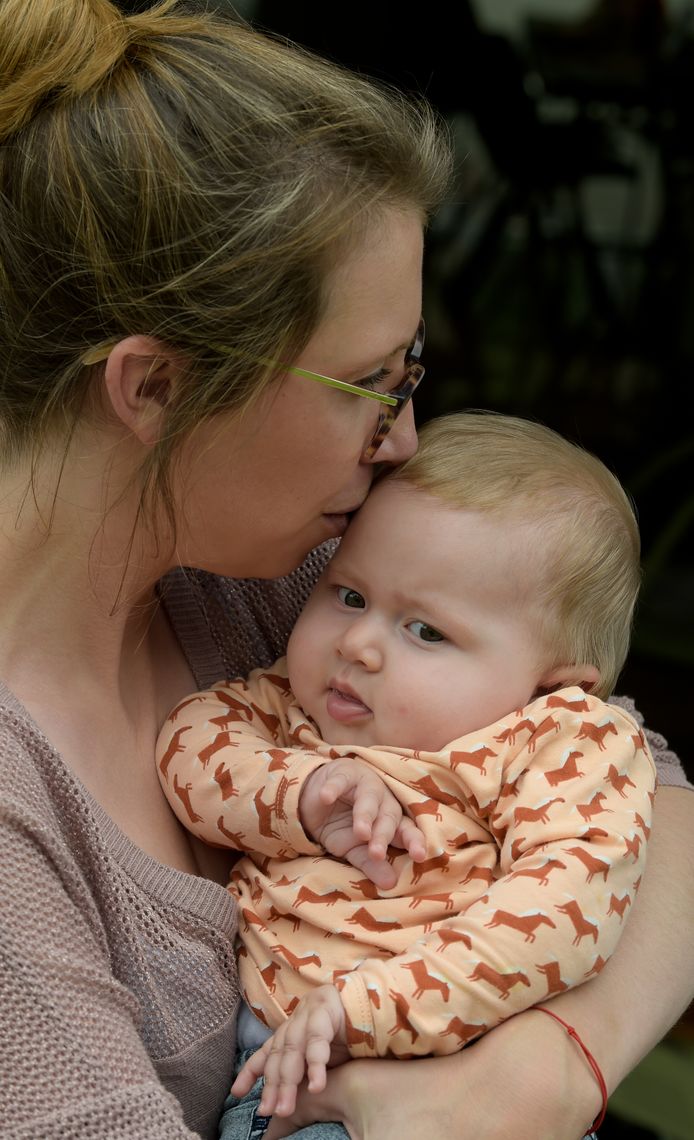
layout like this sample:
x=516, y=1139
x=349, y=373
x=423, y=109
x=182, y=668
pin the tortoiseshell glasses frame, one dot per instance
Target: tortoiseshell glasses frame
x=392, y=403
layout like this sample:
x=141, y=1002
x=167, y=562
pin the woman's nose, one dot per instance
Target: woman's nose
x=401, y=442
x=359, y=645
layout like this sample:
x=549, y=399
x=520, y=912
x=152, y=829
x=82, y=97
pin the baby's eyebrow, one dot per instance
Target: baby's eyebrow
x=340, y=571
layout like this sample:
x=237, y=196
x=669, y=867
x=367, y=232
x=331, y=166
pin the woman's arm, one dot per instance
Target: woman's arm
x=649, y=982
x=527, y=1078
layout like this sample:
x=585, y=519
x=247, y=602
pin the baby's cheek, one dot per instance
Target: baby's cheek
x=412, y=725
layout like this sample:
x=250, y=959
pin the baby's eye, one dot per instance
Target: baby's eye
x=351, y=598
x=425, y=632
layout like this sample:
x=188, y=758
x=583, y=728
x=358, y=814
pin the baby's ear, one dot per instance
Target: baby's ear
x=586, y=677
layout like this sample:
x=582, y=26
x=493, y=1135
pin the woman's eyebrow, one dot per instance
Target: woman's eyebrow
x=407, y=343
x=363, y=370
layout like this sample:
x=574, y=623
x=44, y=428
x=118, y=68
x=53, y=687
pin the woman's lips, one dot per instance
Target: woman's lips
x=338, y=521
x=336, y=524
x=345, y=707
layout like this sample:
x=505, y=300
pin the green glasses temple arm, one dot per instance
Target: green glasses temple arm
x=343, y=386
x=97, y=355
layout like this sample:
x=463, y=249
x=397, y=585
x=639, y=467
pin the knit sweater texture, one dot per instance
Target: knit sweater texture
x=117, y=979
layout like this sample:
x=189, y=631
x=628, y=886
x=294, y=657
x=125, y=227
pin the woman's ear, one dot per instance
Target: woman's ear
x=563, y=676
x=140, y=378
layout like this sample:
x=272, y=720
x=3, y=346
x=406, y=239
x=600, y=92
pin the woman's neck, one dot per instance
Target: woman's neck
x=88, y=651
x=77, y=583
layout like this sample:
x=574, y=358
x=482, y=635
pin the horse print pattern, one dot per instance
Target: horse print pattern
x=536, y=832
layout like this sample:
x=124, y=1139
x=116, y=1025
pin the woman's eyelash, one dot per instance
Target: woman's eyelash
x=376, y=380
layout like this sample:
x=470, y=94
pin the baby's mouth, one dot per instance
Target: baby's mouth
x=344, y=705
x=349, y=696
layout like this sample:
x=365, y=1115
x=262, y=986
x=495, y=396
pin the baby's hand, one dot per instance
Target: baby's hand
x=313, y=1036
x=347, y=808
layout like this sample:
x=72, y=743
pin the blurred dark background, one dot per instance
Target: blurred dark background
x=559, y=280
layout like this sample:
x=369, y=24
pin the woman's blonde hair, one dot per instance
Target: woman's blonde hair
x=177, y=174
x=588, y=571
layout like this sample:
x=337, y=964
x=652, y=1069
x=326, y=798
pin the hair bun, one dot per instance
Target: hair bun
x=52, y=49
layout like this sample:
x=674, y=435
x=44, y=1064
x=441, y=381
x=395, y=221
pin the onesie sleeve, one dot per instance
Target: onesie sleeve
x=668, y=765
x=571, y=821
x=232, y=767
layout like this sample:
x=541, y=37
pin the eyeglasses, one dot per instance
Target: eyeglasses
x=392, y=403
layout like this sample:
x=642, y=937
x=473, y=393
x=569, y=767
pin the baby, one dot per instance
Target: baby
x=460, y=644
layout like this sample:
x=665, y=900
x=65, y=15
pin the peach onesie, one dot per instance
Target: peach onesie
x=536, y=829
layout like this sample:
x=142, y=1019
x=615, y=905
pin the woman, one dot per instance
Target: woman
x=189, y=214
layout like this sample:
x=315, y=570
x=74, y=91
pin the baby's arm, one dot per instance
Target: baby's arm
x=228, y=770
x=572, y=843
x=234, y=773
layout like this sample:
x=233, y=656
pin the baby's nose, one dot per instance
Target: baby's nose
x=359, y=645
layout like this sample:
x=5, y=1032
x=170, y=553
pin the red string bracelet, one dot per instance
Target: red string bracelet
x=589, y=1058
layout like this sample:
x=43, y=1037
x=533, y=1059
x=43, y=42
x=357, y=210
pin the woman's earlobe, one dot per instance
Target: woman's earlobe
x=139, y=380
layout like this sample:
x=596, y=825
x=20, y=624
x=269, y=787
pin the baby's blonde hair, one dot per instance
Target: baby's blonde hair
x=588, y=570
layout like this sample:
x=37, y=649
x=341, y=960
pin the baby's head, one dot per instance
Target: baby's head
x=500, y=562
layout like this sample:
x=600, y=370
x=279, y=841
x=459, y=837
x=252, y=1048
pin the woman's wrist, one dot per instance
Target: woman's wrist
x=541, y=1075
x=588, y=1057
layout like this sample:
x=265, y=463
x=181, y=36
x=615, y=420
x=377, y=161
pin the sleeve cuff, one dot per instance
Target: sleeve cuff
x=287, y=810
x=360, y=1027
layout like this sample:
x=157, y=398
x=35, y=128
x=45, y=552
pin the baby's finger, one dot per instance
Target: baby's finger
x=317, y=1057
x=244, y=1082
x=336, y=784
x=368, y=814
x=385, y=826
x=379, y=870
x=268, y=1097
x=411, y=839
x=248, y=1075
x=274, y=1051
x=282, y=1079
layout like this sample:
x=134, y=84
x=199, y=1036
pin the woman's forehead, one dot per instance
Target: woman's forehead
x=374, y=294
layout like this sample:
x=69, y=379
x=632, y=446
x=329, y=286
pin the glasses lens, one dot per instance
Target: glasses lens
x=415, y=353
x=403, y=394
x=414, y=373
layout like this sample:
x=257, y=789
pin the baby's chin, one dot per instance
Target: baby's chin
x=368, y=736
x=340, y=734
